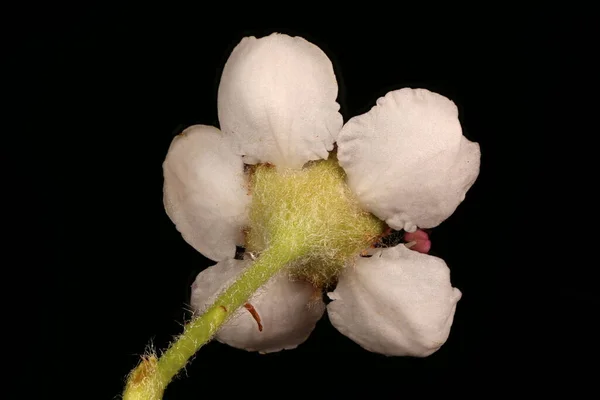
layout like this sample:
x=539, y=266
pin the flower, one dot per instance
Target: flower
x=406, y=162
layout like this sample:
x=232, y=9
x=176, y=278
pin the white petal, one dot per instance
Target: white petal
x=277, y=98
x=398, y=302
x=205, y=192
x=407, y=160
x=288, y=310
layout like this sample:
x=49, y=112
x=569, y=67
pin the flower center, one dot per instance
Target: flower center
x=312, y=212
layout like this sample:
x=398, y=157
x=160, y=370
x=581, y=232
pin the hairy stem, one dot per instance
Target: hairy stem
x=150, y=378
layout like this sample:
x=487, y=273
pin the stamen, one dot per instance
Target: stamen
x=418, y=241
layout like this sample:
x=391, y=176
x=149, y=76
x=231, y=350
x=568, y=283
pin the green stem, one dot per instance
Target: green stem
x=150, y=378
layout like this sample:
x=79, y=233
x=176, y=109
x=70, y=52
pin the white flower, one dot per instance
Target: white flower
x=406, y=161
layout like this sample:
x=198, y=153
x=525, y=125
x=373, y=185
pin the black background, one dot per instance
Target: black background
x=100, y=93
